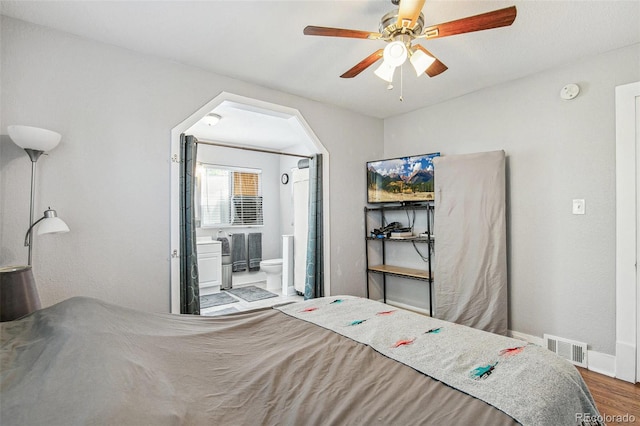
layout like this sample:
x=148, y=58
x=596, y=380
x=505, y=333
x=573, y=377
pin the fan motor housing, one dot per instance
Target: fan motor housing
x=389, y=26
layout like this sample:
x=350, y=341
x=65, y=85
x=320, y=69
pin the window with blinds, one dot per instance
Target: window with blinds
x=230, y=196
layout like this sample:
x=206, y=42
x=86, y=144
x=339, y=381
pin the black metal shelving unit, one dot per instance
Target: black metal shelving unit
x=397, y=271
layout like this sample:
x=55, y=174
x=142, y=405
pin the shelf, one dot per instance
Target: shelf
x=417, y=206
x=418, y=274
x=386, y=271
x=405, y=240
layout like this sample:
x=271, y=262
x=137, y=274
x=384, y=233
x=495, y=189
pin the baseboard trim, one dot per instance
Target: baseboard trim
x=625, y=362
x=596, y=361
x=602, y=363
x=526, y=337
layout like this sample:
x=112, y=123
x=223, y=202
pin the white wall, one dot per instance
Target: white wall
x=561, y=266
x=109, y=178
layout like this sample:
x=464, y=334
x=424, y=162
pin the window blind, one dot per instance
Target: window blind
x=215, y=197
x=247, y=202
x=231, y=196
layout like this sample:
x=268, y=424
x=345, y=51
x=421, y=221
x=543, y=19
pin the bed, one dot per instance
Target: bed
x=328, y=361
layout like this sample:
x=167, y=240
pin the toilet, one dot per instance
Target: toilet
x=273, y=269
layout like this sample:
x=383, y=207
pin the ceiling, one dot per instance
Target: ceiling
x=262, y=42
x=249, y=125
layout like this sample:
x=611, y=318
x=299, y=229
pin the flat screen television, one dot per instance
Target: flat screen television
x=401, y=180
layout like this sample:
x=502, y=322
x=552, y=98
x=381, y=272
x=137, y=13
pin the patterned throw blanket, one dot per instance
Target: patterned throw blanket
x=529, y=383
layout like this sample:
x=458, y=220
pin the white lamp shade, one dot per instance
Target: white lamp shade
x=27, y=137
x=395, y=53
x=421, y=61
x=385, y=71
x=52, y=225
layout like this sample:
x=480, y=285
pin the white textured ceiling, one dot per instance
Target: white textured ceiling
x=262, y=42
x=247, y=125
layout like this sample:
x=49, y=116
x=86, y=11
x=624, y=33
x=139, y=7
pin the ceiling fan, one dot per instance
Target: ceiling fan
x=400, y=27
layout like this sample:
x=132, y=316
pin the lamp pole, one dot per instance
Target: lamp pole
x=34, y=154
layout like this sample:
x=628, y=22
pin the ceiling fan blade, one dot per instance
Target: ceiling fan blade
x=409, y=12
x=436, y=67
x=339, y=32
x=484, y=21
x=363, y=64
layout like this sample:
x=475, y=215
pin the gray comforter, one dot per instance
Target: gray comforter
x=86, y=362
x=529, y=383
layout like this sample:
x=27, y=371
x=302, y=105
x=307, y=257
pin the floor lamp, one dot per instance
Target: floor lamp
x=19, y=295
x=35, y=142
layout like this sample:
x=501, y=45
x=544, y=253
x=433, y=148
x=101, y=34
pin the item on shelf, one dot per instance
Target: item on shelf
x=402, y=233
x=385, y=231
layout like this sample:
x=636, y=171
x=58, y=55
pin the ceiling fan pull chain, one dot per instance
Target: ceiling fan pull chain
x=401, y=81
x=402, y=71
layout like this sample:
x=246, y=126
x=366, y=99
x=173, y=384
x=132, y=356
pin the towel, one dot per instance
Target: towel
x=255, y=251
x=238, y=253
x=226, y=248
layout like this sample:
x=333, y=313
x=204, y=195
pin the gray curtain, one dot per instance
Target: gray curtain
x=314, y=281
x=189, y=284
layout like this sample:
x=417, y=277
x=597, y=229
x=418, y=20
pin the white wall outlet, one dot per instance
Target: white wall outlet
x=578, y=206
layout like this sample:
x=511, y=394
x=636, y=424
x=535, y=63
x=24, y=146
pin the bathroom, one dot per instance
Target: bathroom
x=274, y=172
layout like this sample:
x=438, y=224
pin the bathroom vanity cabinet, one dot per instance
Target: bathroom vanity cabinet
x=210, y=266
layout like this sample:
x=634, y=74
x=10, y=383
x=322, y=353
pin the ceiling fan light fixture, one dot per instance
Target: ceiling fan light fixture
x=421, y=61
x=395, y=53
x=385, y=71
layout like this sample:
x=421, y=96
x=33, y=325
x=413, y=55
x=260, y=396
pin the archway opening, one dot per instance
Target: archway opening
x=277, y=128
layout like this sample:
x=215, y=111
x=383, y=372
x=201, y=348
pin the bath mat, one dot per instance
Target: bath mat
x=225, y=311
x=251, y=293
x=216, y=299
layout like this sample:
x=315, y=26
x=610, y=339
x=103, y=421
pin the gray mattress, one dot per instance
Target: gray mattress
x=86, y=362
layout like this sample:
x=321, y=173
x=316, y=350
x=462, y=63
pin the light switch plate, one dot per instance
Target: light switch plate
x=578, y=206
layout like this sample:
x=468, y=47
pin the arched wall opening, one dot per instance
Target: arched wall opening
x=311, y=143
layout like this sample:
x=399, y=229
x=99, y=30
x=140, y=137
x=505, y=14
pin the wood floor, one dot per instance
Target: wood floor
x=614, y=398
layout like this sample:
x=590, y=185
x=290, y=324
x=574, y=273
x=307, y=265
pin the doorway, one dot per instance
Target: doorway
x=299, y=130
